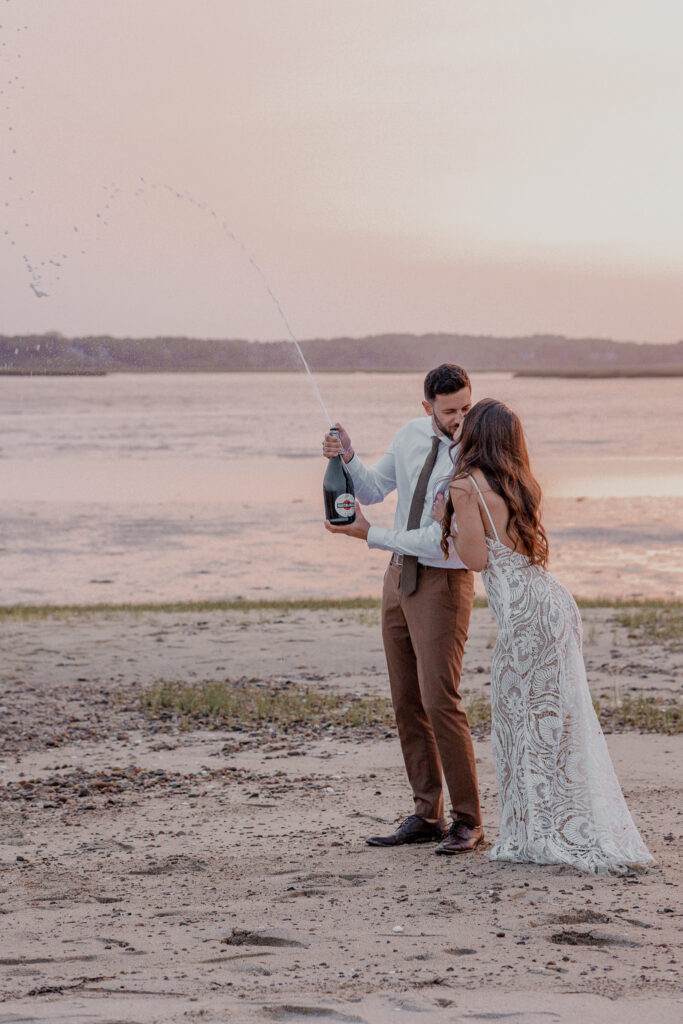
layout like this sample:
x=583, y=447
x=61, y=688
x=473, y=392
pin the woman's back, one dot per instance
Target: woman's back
x=494, y=511
x=525, y=599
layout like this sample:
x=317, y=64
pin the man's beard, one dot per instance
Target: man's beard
x=454, y=435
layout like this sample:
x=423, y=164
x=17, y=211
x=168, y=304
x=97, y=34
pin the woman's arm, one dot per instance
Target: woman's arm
x=470, y=539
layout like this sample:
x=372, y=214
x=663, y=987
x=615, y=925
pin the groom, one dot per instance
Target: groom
x=426, y=605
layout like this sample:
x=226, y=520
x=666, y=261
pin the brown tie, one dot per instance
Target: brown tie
x=409, y=571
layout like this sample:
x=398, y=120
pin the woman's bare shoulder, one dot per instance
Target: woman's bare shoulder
x=461, y=486
x=482, y=482
x=484, y=485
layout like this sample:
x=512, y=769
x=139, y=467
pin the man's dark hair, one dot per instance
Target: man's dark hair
x=444, y=380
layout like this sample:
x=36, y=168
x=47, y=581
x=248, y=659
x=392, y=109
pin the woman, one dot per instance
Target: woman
x=559, y=798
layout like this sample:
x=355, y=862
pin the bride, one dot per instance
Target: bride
x=559, y=798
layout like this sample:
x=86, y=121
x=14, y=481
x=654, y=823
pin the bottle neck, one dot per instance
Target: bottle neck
x=335, y=433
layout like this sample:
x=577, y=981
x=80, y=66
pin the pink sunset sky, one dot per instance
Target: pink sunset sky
x=489, y=166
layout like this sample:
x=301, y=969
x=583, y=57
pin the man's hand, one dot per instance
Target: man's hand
x=338, y=445
x=358, y=528
x=439, y=507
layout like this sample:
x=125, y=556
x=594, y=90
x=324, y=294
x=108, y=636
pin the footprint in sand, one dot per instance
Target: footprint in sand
x=287, y=1012
x=571, y=938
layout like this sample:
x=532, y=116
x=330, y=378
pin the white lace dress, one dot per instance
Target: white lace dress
x=559, y=799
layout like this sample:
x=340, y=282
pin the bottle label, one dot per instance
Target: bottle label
x=344, y=505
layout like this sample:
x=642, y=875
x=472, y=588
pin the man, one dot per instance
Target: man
x=426, y=605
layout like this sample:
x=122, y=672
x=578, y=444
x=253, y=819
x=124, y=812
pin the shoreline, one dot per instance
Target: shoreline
x=38, y=611
x=562, y=374
x=53, y=373
x=607, y=374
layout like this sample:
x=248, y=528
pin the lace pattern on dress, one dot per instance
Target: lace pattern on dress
x=558, y=795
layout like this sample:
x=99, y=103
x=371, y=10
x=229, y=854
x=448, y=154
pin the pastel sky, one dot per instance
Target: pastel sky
x=486, y=166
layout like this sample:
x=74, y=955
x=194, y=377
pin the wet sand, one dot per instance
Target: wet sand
x=162, y=487
x=72, y=550
x=154, y=874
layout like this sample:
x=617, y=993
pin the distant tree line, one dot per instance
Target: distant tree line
x=53, y=353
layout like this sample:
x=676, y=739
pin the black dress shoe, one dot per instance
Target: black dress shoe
x=413, y=830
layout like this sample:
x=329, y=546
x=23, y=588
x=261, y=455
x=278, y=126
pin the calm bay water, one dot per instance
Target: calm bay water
x=185, y=486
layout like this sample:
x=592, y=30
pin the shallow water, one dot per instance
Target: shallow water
x=181, y=486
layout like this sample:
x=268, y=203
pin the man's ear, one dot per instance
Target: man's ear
x=428, y=408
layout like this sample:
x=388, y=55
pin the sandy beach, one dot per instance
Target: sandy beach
x=155, y=872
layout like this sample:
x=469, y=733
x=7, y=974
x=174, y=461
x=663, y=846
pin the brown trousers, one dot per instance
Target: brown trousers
x=424, y=636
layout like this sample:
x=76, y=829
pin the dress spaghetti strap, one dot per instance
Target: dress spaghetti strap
x=486, y=508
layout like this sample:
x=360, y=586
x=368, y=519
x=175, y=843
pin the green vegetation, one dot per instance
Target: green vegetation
x=646, y=714
x=632, y=602
x=395, y=353
x=655, y=622
x=478, y=709
x=44, y=611
x=228, y=704
x=315, y=604
x=222, y=705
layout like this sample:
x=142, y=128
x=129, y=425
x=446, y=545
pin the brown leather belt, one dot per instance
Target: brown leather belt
x=397, y=560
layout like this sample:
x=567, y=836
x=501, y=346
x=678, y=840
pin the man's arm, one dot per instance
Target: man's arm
x=424, y=542
x=371, y=483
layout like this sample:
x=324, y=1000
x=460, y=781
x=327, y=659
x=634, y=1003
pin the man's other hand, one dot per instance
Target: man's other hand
x=358, y=528
x=439, y=507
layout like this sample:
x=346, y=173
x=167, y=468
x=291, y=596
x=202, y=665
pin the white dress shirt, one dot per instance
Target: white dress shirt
x=399, y=468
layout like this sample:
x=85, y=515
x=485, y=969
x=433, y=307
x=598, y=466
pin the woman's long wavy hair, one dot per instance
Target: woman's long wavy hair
x=493, y=441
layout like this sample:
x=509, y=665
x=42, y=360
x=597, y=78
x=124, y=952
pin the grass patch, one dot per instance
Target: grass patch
x=24, y=612
x=620, y=602
x=478, y=709
x=238, y=704
x=62, y=611
x=224, y=705
x=655, y=623
x=645, y=714
x=229, y=704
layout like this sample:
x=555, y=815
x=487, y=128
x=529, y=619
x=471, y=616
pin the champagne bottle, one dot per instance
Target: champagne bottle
x=338, y=491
